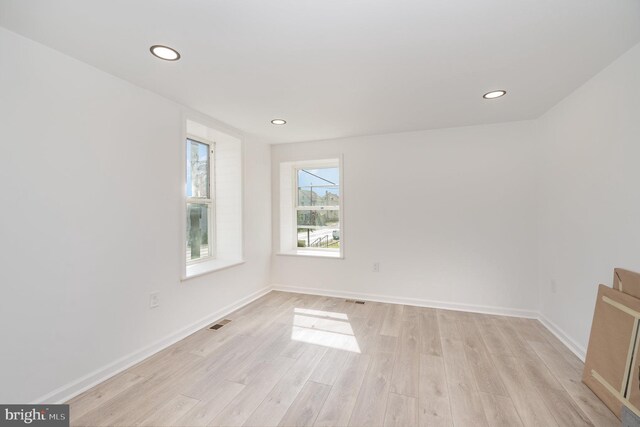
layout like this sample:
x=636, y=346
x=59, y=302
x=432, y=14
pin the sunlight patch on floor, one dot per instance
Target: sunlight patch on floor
x=321, y=328
x=321, y=313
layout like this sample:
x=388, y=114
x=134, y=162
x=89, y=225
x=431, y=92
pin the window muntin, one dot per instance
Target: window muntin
x=318, y=208
x=199, y=202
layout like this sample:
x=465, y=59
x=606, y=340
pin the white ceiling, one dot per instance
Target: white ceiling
x=335, y=68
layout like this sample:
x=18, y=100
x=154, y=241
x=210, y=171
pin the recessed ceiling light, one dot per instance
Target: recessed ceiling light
x=278, y=122
x=494, y=94
x=165, y=52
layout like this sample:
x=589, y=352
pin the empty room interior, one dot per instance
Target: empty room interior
x=320, y=213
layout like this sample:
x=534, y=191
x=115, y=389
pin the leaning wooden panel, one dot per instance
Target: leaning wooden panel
x=611, y=346
x=626, y=281
x=633, y=387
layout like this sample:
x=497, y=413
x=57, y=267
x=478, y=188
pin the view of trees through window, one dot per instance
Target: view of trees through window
x=198, y=200
x=318, y=208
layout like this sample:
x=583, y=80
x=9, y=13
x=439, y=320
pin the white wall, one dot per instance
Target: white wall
x=590, y=194
x=90, y=222
x=449, y=214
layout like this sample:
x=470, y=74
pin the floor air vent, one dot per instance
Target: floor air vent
x=354, y=301
x=220, y=324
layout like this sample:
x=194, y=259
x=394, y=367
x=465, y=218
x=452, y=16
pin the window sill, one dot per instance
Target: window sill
x=313, y=254
x=202, y=268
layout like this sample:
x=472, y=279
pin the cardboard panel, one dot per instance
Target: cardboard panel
x=626, y=281
x=633, y=388
x=611, y=342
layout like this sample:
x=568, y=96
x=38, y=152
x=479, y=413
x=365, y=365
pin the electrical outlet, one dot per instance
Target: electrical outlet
x=154, y=299
x=554, y=286
x=376, y=267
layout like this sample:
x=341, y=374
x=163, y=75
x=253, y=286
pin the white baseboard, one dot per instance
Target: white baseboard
x=485, y=309
x=74, y=388
x=569, y=342
x=577, y=349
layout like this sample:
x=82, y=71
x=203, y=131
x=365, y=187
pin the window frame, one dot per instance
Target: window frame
x=337, y=163
x=210, y=201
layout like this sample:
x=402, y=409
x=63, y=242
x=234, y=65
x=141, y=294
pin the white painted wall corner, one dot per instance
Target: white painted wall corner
x=569, y=342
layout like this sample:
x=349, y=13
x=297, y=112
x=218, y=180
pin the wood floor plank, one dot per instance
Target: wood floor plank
x=218, y=364
x=527, y=329
x=370, y=405
x=406, y=370
x=518, y=346
x=536, y=371
x=557, y=364
x=392, y=320
x=479, y=360
x=564, y=409
x=434, y=406
x=241, y=408
x=411, y=313
x=354, y=310
x=330, y=366
x=402, y=411
x=563, y=350
x=448, y=325
x=500, y=411
x=366, y=330
x=157, y=392
x=530, y=406
x=383, y=344
x=429, y=332
x=493, y=338
x=102, y=393
x=339, y=405
x=242, y=368
x=163, y=362
x=304, y=410
x=589, y=403
x=137, y=402
x=466, y=405
x=205, y=411
x=215, y=339
x=168, y=415
x=276, y=403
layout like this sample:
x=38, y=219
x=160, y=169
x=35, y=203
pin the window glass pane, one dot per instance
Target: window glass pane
x=318, y=187
x=319, y=196
x=318, y=229
x=197, y=231
x=197, y=169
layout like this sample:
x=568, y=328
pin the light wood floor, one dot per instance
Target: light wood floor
x=297, y=360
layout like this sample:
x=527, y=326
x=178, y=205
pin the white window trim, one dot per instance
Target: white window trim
x=336, y=161
x=210, y=265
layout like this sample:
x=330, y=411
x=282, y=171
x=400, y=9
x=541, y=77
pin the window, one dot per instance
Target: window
x=200, y=207
x=212, y=203
x=318, y=208
x=311, y=208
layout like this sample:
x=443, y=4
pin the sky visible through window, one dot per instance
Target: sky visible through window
x=320, y=177
x=202, y=158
